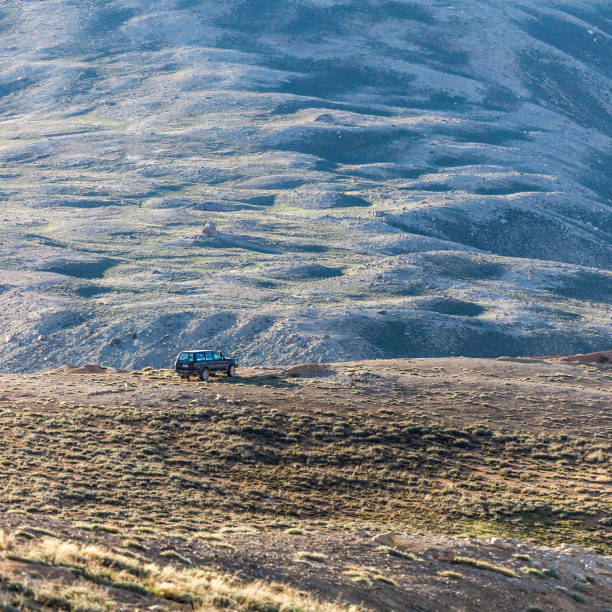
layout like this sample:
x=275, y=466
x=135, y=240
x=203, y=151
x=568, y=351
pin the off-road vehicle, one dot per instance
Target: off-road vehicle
x=204, y=363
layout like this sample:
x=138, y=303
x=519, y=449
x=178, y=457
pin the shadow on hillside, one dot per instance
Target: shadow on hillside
x=270, y=380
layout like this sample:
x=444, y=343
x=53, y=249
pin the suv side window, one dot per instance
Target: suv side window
x=209, y=357
x=199, y=356
x=217, y=356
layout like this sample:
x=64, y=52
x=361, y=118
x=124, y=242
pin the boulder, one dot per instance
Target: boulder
x=499, y=543
x=385, y=539
x=209, y=230
x=440, y=554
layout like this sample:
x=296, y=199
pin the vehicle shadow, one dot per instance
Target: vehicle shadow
x=270, y=380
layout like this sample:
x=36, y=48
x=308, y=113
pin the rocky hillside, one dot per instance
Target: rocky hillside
x=388, y=179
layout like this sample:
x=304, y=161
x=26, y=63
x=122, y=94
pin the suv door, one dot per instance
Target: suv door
x=219, y=361
x=200, y=360
x=211, y=363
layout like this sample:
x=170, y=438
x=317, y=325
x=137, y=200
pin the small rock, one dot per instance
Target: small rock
x=115, y=342
x=40, y=338
x=499, y=543
x=210, y=229
x=385, y=539
x=326, y=118
x=440, y=554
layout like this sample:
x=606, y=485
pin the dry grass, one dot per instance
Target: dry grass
x=485, y=565
x=203, y=589
x=402, y=554
x=368, y=575
x=310, y=556
x=75, y=598
x=540, y=573
x=450, y=574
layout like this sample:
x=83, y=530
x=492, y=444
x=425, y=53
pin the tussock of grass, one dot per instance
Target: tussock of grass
x=145, y=529
x=399, y=553
x=310, y=556
x=575, y=596
x=37, y=531
x=450, y=574
x=294, y=531
x=203, y=535
x=239, y=530
x=173, y=554
x=541, y=573
x=368, y=575
x=134, y=543
x=225, y=545
x=109, y=529
x=485, y=565
x=112, y=529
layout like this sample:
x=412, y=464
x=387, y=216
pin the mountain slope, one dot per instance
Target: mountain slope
x=388, y=179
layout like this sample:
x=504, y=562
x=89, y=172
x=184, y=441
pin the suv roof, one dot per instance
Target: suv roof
x=203, y=350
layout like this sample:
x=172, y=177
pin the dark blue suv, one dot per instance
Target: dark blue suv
x=204, y=363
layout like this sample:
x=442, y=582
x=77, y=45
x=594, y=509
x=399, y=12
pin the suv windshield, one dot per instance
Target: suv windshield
x=185, y=358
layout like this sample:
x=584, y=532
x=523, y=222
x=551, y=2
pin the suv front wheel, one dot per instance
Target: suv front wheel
x=231, y=371
x=204, y=374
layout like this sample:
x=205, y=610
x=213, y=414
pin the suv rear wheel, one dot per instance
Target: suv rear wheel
x=204, y=374
x=231, y=371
